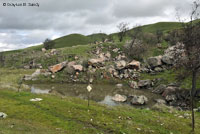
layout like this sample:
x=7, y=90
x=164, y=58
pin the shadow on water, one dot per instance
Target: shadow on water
x=100, y=93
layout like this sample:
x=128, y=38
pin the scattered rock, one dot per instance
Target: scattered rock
x=108, y=55
x=158, y=69
x=145, y=83
x=76, y=58
x=119, y=98
x=160, y=101
x=96, y=62
x=53, y=52
x=53, y=76
x=78, y=68
x=139, y=100
x=27, y=67
x=116, y=50
x=154, y=61
x=120, y=64
x=169, y=90
x=44, y=50
x=36, y=99
x=134, y=65
x=133, y=84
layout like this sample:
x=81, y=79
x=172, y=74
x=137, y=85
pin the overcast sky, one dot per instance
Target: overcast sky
x=22, y=27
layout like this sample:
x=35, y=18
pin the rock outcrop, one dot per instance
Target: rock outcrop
x=57, y=67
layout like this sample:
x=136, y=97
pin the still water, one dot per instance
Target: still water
x=100, y=93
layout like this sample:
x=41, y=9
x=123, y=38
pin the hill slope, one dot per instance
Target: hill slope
x=78, y=39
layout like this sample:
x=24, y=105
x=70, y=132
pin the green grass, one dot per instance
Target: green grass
x=169, y=76
x=56, y=114
x=162, y=26
x=97, y=37
x=71, y=40
x=71, y=115
x=11, y=77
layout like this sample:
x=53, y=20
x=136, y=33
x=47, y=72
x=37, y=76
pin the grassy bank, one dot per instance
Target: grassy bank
x=56, y=114
x=71, y=115
x=10, y=78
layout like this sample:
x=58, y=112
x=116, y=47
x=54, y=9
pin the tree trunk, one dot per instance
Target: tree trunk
x=192, y=97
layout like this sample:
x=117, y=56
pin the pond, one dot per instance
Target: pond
x=100, y=93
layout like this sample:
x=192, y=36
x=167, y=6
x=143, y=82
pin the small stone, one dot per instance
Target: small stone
x=3, y=115
x=139, y=129
x=53, y=76
x=36, y=99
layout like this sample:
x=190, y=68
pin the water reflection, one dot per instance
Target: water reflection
x=108, y=101
x=36, y=90
x=100, y=93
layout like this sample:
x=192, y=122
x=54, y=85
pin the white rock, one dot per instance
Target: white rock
x=119, y=98
x=36, y=99
x=3, y=115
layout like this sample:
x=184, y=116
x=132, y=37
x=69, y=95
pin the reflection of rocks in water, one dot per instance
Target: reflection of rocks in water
x=100, y=93
x=39, y=91
x=108, y=101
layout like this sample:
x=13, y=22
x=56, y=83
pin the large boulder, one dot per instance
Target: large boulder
x=154, y=61
x=119, y=98
x=57, y=67
x=96, y=62
x=170, y=90
x=174, y=53
x=174, y=50
x=168, y=60
x=145, y=83
x=139, y=100
x=120, y=64
x=69, y=68
x=134, y=65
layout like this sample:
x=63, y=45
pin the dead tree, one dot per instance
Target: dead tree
x=123, y=28
x=190, y=59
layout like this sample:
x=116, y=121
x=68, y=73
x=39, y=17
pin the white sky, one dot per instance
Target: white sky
x=22, y=27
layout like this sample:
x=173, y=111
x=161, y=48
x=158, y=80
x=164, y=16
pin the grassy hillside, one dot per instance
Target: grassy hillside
x=162, y=26
x=71, y=40
x=71, y=115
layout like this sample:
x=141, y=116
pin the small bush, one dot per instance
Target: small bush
x=136, y=50
x=48, y=44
